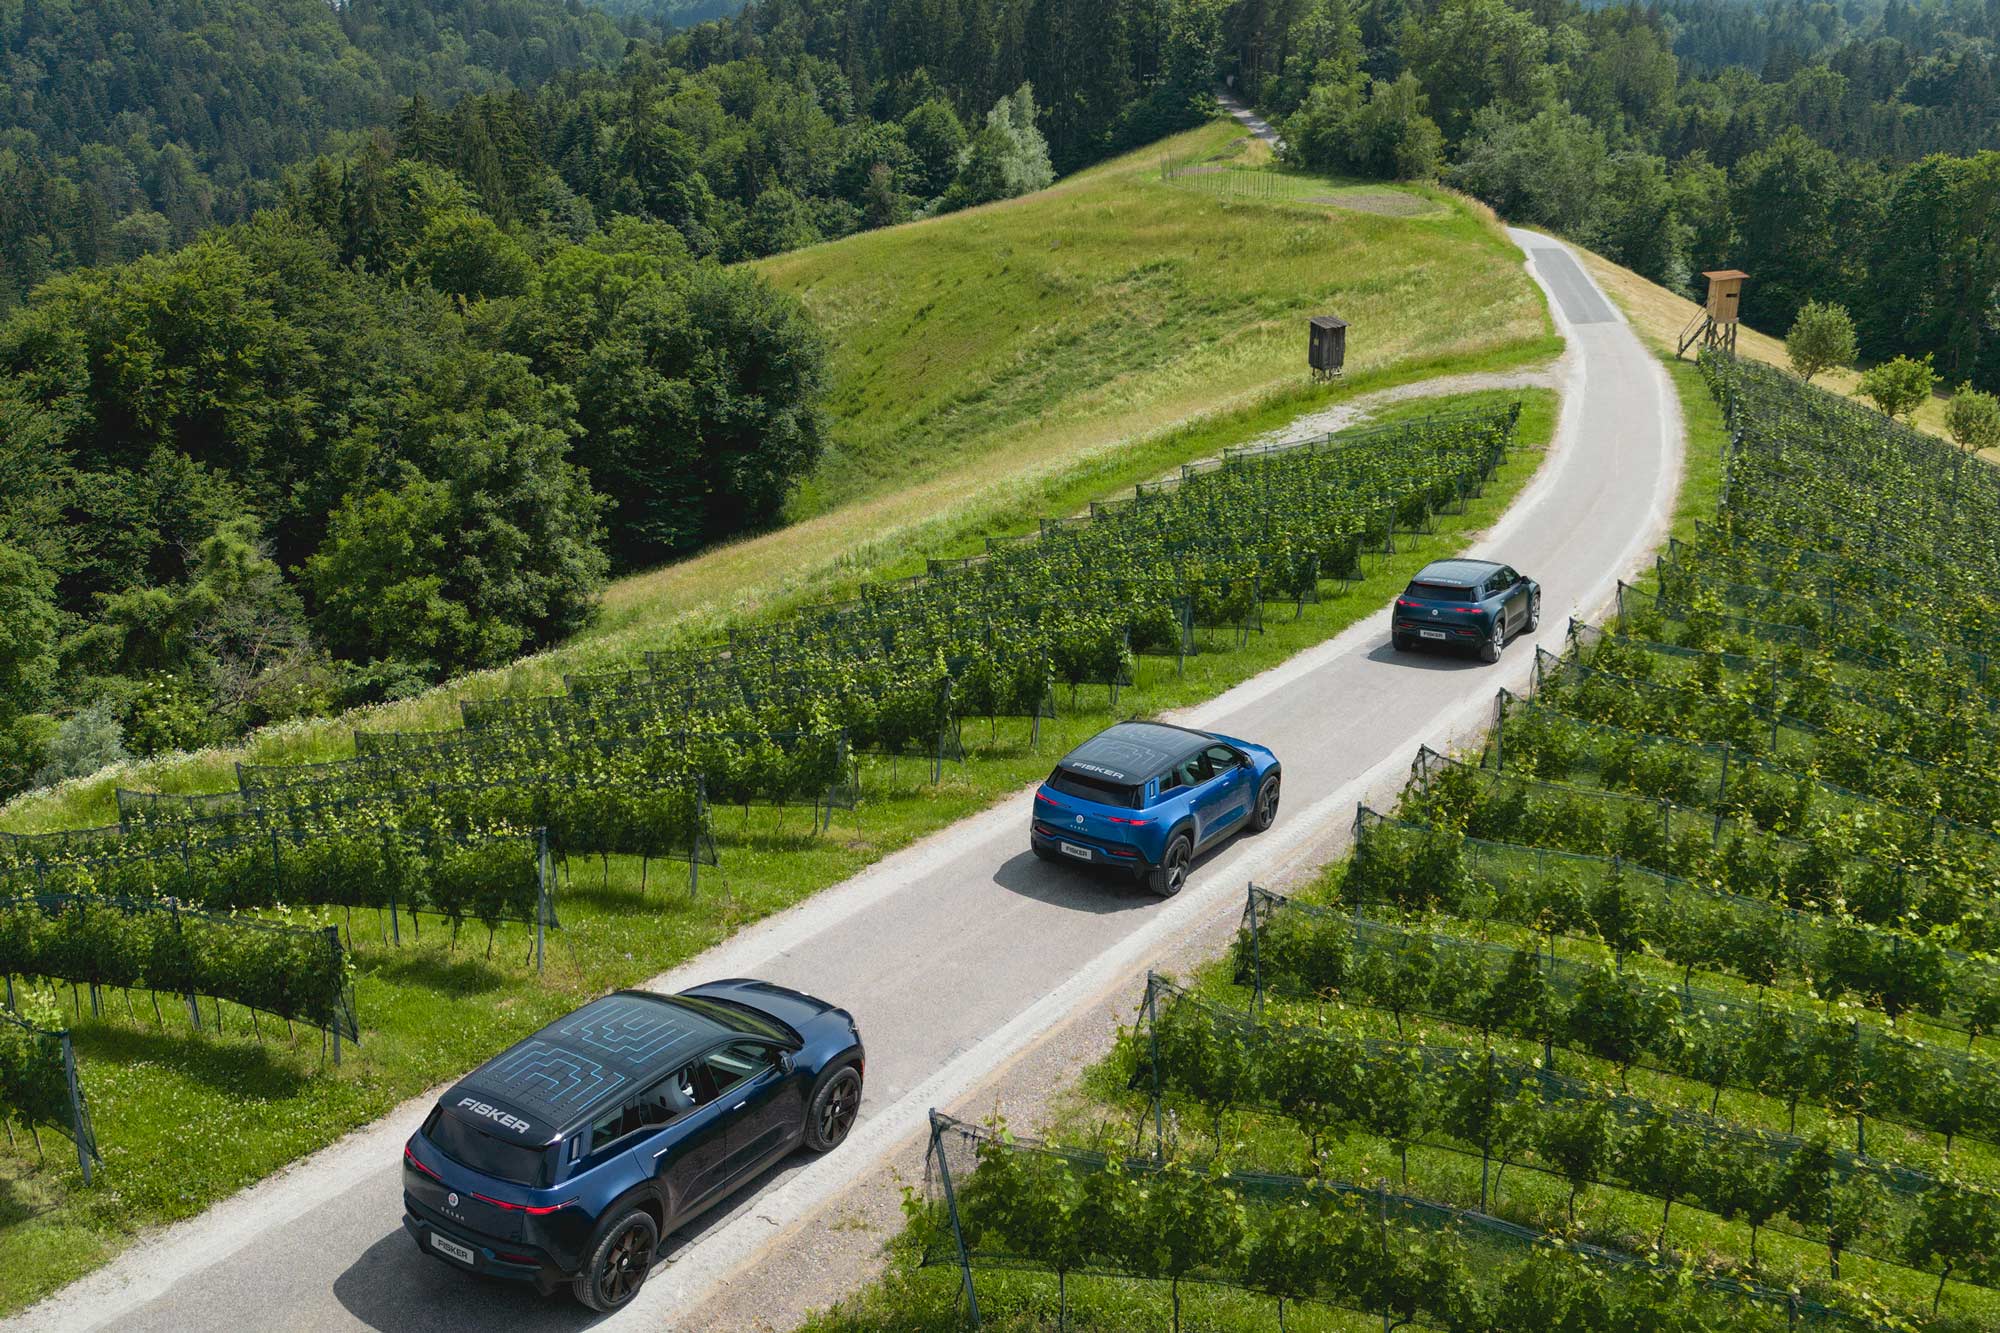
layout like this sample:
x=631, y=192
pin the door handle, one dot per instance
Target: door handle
x=740, y=1105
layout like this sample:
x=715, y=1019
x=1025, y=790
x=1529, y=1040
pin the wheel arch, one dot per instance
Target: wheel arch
x=648, y=1196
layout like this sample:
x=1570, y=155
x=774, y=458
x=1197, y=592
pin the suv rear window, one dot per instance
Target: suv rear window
x=1085, y=787
x=468, y=1146
x=1440, y=592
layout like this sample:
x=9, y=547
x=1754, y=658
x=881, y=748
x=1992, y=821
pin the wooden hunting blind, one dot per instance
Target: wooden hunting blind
x=1715, y=325
x=1725, y=287
x=1326, y=345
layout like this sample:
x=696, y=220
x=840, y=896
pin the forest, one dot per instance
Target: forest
x=1842, y=154
x=129, y=126
x=355, y=346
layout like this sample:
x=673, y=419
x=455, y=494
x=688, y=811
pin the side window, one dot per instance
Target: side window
x=736, y=1063
x=1219, y=759
x=658, y=1105
x=1505, y=579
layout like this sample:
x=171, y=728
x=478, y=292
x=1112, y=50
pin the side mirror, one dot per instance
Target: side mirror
x=785, y=1062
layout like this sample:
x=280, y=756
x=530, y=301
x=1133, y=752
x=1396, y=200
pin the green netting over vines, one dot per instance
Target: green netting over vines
x=487, y=877
x=38, y=1085
x=1617, y=1014
x=1073, y=604
x=1692, y=924
x=1020, y=1204
x=99, y=940
x=1508, y=1111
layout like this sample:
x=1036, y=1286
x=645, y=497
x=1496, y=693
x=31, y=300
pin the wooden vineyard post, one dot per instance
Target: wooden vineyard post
x=333, y=947
x=77, y=1130
x=543, y=891
x=957, y=1232
x=1153, y=1037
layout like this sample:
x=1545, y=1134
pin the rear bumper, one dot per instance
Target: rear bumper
x=514, y=1261
x=1414, y=634
x=1132, y=862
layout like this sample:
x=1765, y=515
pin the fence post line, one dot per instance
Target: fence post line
x=951, y=1207
x=193, y=1006
x=76, y=1107
x=1256, y=952
x=340, y=991
x=1153, y=1039
x=395, y=924
x=542, y=892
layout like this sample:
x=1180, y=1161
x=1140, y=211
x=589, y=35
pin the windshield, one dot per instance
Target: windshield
x=1440, y=592
x=524, y=1164
x=1087, y=788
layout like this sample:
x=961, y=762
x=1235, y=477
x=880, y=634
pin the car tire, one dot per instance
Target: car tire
x=618, y=1263
x=1490, y=650
x=1401, y=644
x=1043, y=852
x=1534, y=613
x=1265, y=812
x=1168, y=877
x=835, y=1103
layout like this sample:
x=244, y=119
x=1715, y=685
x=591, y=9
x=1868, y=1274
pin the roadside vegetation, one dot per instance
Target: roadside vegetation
x=264, y=1094
x=1688, y=963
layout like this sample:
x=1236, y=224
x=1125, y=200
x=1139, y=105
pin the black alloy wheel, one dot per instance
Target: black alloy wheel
x=1172, y=872
x=619, y=1263
x=835, y=1107
x=1266, y=813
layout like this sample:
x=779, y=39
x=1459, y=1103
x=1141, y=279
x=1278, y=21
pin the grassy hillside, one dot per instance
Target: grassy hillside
x=1016, y=360
x=1090, y=311
x=1659, y=315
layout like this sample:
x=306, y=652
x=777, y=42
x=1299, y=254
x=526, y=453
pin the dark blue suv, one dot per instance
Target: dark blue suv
x=565, y=1159
x=1474, y=604
x=1145, y=797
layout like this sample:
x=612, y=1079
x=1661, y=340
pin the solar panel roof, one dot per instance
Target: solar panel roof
x=604, y=1051
x=1133, y=751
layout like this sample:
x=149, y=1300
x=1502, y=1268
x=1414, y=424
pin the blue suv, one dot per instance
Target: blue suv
x=1473, y=604
x=565, y=1159
x=1145, y=797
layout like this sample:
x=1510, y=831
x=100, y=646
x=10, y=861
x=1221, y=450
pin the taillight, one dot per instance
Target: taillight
x=518, y=1258
x=1045, y=798
x=541, y=1211
x=411, y=1158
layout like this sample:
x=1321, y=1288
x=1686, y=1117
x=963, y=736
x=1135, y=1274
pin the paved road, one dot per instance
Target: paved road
x=958, y=953
x=1249, y=120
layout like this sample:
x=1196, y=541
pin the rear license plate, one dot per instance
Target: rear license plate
x=1430, y=634
x=1080, y=853
x=452, y=1248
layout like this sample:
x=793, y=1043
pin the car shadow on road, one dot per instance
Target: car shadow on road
x=394, y=1288
x=1080, y=888
x=1433, y=661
